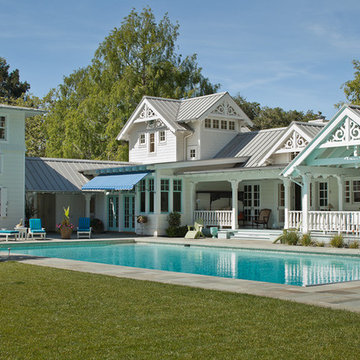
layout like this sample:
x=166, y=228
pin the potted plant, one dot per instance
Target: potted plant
x=142, y=219
x=65, y=227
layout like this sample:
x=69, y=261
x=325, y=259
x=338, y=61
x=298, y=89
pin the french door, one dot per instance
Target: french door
x=113, y=213
x=129, y=213
x=251, y=202
x=281, y=205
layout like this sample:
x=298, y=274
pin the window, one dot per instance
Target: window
x=208, y=123
x=231, y=125
x=293, y=155
x=177, y=187
x=347, y=191
x=356, y=191
x=142, y=139
x=223, y=124
x=151, y=195
x=2, y=128
x=215, y=124
x=164, y=188
x=3, y=202
x=142, y=190
x=323, y=194
x=152, y=142
x=192, y=154
x=162, y=136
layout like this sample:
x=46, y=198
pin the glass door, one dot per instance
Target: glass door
x=251, y=202
x=113, y=213
x=281, y=204
x=129, y=213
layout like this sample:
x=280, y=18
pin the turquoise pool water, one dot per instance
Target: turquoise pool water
x=269, y=266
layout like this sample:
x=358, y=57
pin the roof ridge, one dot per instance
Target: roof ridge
x=161, y=98
x=38, y=158
x=202, y=96
x=307, y=124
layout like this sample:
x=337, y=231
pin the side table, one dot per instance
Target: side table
x=22, y=233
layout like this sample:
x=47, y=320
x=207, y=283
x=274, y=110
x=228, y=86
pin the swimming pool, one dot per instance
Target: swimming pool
x=268, y=266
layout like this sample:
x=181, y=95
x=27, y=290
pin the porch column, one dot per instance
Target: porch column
x=157, y=208
x=340, y=181
x=287, y=186
x=235, y=206
x=305, y=202
x=87, y=204
x=192, y=200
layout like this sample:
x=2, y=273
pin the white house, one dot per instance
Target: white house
x=198, y=157
x=12, y=163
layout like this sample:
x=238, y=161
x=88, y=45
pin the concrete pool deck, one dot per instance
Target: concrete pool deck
x=344, y=296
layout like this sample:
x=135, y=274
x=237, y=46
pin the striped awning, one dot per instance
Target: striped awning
x=114, y=182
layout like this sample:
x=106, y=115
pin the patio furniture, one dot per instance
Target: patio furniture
x=263, y=218
x=8, y=233
x=84, y=227
x=22, y=232
x=214, y=232
x=36, y=229
x=195, y=232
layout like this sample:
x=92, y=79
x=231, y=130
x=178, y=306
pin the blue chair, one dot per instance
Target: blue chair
x=84, y=227
x=36, y=229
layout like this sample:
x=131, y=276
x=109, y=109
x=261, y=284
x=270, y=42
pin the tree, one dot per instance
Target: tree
x=89, y=109
x=352, y=87
x=10, y=85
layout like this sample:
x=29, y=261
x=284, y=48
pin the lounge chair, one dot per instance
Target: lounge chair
x=84, y=227
x=7, y=233
x=195, y=232
x=263, y=218
x=36, y=229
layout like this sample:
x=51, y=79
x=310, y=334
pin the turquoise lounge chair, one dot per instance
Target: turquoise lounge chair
x=84, y=227
x=36, y=229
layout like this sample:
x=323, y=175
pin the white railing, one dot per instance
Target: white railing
x=327, y=221
x=339, y=221
x=295, y=219
x=221, y=218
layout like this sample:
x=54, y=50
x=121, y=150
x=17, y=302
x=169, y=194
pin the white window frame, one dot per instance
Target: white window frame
x=142, y=136
x=326, y=205
x=223, y=125
x=4, y=127
x=150, y=143
x=160, y=136
x=353, y=190
x=207, y=123
x=231, y=125
x=192, y=149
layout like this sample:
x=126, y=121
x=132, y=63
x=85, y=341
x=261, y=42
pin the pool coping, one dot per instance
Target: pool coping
x=345, y=295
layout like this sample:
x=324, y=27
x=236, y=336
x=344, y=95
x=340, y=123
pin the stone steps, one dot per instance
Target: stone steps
x=255, y=234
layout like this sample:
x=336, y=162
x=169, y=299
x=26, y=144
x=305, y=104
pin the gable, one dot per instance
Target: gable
x=336, y=145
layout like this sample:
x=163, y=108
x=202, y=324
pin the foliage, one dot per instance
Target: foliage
x=66, y=221
x=354, y=244
x=174, y=219
x=306, y=240
x=10, y=85
x=337, y=241
x=320, y=244
x=88, y=110
x=176, y=231
x=352, y=87
x=290, y=237
x=77, y=315
x=266, y=117
x=97, y=226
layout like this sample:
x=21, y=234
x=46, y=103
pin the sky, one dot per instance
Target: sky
x=290, y=54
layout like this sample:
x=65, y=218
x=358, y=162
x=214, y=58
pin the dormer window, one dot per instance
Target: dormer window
x=223, y=124
x=2, y=128
x=151, y=142
x=142, y=140
x=207, y=123
x=162, y=136
x=215, y=124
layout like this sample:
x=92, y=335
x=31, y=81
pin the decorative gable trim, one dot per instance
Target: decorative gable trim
x=323, y=137
x=293, y=140
x=144, y=113
x=226, y=108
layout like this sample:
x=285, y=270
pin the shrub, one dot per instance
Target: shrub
x=306, y=240
x=288, y=237
x=174, y=231
x=174, y=219
x=337, y=241
x=354, y=244
x=320, y=244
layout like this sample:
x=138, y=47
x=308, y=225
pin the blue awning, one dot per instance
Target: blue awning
x=114, y=182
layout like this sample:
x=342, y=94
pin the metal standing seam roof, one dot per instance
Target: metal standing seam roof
x=254, y=144
x=310, y=129
x=60, y=175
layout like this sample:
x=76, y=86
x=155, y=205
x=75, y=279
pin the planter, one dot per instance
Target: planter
x=65, y=232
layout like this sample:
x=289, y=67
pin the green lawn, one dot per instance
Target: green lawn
x=56, y=314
